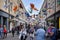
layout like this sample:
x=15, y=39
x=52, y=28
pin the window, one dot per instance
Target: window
x=5, y=2
x=11, y=6
x=18, y=1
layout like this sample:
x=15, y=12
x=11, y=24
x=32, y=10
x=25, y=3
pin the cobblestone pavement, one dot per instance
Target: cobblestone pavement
x=10, y=37
x=16, y=37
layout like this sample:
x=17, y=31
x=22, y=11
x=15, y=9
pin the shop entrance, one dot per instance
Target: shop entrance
x=4, y=21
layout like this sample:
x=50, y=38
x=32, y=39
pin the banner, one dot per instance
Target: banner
x=21, y=6
x=27, y=14
x=33, y=7
x=15, y=8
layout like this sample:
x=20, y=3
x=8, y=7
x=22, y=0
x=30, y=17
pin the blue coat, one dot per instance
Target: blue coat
x=40, y=34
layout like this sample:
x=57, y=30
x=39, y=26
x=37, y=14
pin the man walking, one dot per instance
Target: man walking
x=52, y=32
x=1, y=31
x=40, y=33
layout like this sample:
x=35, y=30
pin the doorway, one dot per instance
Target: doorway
x=4, y=21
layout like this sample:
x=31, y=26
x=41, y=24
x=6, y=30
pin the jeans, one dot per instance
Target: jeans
x=1, y=34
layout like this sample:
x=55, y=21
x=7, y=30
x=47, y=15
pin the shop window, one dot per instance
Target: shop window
x=4, y=21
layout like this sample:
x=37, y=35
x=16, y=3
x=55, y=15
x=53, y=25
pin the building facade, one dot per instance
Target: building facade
x=53, y=12
x=51, y=8
x=11, y=11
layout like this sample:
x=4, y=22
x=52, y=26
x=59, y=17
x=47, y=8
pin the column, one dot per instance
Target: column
x=8, y=28
x=1, y=20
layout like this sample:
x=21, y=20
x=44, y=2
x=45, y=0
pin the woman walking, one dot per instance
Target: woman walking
x=22, y=35
x=5, y=31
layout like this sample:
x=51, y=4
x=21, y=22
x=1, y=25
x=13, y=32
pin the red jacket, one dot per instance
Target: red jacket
x=5, y=30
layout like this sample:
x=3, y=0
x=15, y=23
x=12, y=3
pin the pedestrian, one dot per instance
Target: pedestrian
x=13, y=31
x=5, y=31
x=32, y=33
x=40, y=33
x=36, y=27
x=22, y=35
x=1, y=31
x=52, y=32
x=17, y=29
x=28, y=28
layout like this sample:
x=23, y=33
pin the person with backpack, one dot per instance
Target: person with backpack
x=31, y=32
x=40, y=33
x=52, y=32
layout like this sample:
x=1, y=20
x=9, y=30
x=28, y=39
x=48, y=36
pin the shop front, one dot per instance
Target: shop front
x=56, y=20
x=50, y=20
x=4, y=19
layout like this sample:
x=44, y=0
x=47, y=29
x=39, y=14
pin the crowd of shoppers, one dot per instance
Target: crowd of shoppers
x=38, y=32
x=35, y=31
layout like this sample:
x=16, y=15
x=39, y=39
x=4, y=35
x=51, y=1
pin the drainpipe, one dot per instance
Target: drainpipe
x=54, y=15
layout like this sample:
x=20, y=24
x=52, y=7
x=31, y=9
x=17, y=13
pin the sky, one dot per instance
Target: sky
x=37, y=3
